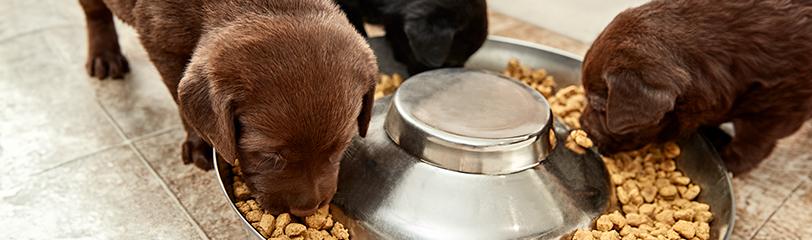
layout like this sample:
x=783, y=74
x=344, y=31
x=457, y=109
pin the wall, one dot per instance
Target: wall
x=579, y=19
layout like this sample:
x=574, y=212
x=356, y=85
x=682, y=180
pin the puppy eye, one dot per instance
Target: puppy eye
x=273, y=161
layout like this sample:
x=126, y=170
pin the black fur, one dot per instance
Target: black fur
x=425, y=34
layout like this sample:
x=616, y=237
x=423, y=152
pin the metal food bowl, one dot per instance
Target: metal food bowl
x=464, y=154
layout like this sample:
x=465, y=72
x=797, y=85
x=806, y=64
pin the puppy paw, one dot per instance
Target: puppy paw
x=197, y=152
x=103, y=63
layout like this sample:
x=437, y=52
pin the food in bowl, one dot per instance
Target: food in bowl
x=578, y=141
x=387, y=84
x=319, y=226
x=654, y=199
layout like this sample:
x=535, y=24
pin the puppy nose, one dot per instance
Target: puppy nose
x=305, y=205
x=304, y=211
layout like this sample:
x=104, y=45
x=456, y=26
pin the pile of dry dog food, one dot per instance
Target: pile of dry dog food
x=387, y=84
x=319, y=226
x=656, y=201
x=567, y=103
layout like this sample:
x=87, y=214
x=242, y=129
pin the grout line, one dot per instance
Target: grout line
x=102, y=149
x=154, y=134
x=164, y=185
x=200, y=232
x=37, y=30
x=791, y=193
x=113, y=122
x=83, y=156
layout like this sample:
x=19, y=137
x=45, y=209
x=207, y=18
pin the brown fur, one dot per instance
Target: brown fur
x=282, y=85
x=664, y=69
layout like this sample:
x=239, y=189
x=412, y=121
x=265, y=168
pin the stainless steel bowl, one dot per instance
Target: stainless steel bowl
x=470, y=121
x=386, y=192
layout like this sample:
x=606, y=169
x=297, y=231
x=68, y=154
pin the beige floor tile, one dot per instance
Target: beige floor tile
x=109, y=195
x=47, y=114
x=197, y=190
x=793, y=219
x=498, y=22
x=760, y=193
x=23, y=17
x=140, y=103
x=531, y=33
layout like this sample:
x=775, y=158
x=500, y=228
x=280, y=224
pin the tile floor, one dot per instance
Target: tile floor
x=89, y=159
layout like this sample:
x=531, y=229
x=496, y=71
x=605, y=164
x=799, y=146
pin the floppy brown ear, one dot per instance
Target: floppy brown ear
x=633, y=104
x=366, y=111
x=210, y=114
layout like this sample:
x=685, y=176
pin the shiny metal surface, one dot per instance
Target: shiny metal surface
x=470, y=121
x=702, y=163
x=395, y=195
x=386, y=193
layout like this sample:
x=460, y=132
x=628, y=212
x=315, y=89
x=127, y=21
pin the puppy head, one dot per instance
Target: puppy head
x=632, y=84
x=285, y=97
x=444, y=33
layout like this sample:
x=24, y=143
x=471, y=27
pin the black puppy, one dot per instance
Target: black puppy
x=425, y=34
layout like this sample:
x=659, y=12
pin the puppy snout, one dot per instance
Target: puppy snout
x=593, y=125
x=306, y=208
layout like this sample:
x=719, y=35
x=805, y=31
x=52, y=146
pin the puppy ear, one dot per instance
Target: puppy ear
x=208, y=113
x=430, y=43
x=366, y=112
x=633, y=104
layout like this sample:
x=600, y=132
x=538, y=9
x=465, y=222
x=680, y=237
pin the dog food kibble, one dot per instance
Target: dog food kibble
x=657, y=201
x=294, y=229
x=582, y=235
x=603, y=223
x=340, y=232
x=319, y=226
x=254, y=215
x=240, y=189
x=266, y=224
x=319, y=220
x=537, y=79
x=387, y=84
x=568, y=104
x=685, y=229
x=578, y=141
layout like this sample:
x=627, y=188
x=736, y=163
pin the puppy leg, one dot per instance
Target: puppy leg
x=755, y=139
x=196, y=150
x=171, y=67
x=104, y=57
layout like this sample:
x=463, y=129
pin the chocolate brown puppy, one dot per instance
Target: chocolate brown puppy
x=281, y=85
x=667, y=68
